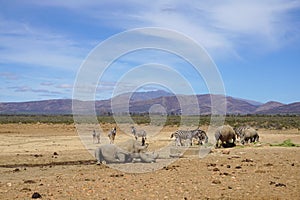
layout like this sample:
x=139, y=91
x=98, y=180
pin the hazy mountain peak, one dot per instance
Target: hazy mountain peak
x=141, y=102
x=268, y=106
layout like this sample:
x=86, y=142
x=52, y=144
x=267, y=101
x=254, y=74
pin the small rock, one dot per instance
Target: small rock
x=272, y=183
x=238, y=167
x=280, y=185
x=216, y=169
x=247, y=160
x=228, y=166
x=268, y=165
x=29, y=181
x=16, y=170
x=117, y=175
x=55, y=154
x=277, y=184
x=225, y=151
x=216, y=182
x=211, y=165
x=36, y=195
x=224, y=173
x=229, y=187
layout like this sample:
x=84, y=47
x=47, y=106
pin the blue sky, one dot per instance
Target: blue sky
x=255, y=44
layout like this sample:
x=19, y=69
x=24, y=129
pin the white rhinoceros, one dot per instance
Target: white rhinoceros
x=126, y=152
x=226, y=135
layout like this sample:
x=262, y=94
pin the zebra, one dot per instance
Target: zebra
x=202, y=136
x=112, y=135
x=140, y=133
x=96, y=137
x=198, y=134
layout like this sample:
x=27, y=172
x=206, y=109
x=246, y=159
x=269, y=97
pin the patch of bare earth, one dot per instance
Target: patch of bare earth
x=51, y=160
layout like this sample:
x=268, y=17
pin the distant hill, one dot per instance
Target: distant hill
x=141, y=102
x=56, y=106
x=268, y=106
x=293, y=108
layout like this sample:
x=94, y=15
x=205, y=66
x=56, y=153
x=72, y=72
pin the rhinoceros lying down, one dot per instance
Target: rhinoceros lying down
x=126, y=152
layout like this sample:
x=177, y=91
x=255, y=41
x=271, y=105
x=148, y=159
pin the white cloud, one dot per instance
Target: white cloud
x=265, y=22
x=223, y=27
x=65, y=86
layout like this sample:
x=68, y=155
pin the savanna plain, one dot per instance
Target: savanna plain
x=49, y=158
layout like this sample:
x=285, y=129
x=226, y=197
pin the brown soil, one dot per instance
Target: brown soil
x=51, y=160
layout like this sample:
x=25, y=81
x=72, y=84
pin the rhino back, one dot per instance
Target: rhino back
x=250, y=132
x=132, y=146
x=226, y=133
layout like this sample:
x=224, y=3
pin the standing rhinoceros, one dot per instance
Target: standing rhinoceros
x=248, y=133
x=226, y=135
x=125, y=152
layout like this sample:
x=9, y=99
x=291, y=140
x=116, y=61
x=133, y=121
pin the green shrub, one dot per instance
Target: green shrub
x=286, y=143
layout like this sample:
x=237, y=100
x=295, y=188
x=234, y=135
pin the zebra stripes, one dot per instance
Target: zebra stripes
x=112, y=135
x=197, y=134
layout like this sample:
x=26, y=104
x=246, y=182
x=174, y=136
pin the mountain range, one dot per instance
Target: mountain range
x=142, y=102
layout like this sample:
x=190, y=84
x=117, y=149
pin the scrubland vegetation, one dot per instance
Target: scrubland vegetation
x=276, y=122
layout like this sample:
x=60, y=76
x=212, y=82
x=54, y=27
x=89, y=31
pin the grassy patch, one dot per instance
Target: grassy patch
x=286, y=143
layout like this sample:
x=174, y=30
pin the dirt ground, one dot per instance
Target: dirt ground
x=51, y=160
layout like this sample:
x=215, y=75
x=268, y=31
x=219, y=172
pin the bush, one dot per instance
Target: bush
x=286, y=143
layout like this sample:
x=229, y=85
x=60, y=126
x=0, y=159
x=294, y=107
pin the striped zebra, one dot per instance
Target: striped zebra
x=202, y=137
x=112, y=135
x=197, y=134
x=96, y=137
x=140, y=133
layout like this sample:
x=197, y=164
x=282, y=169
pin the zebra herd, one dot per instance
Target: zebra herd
x=224, y=134
x=112, y=135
